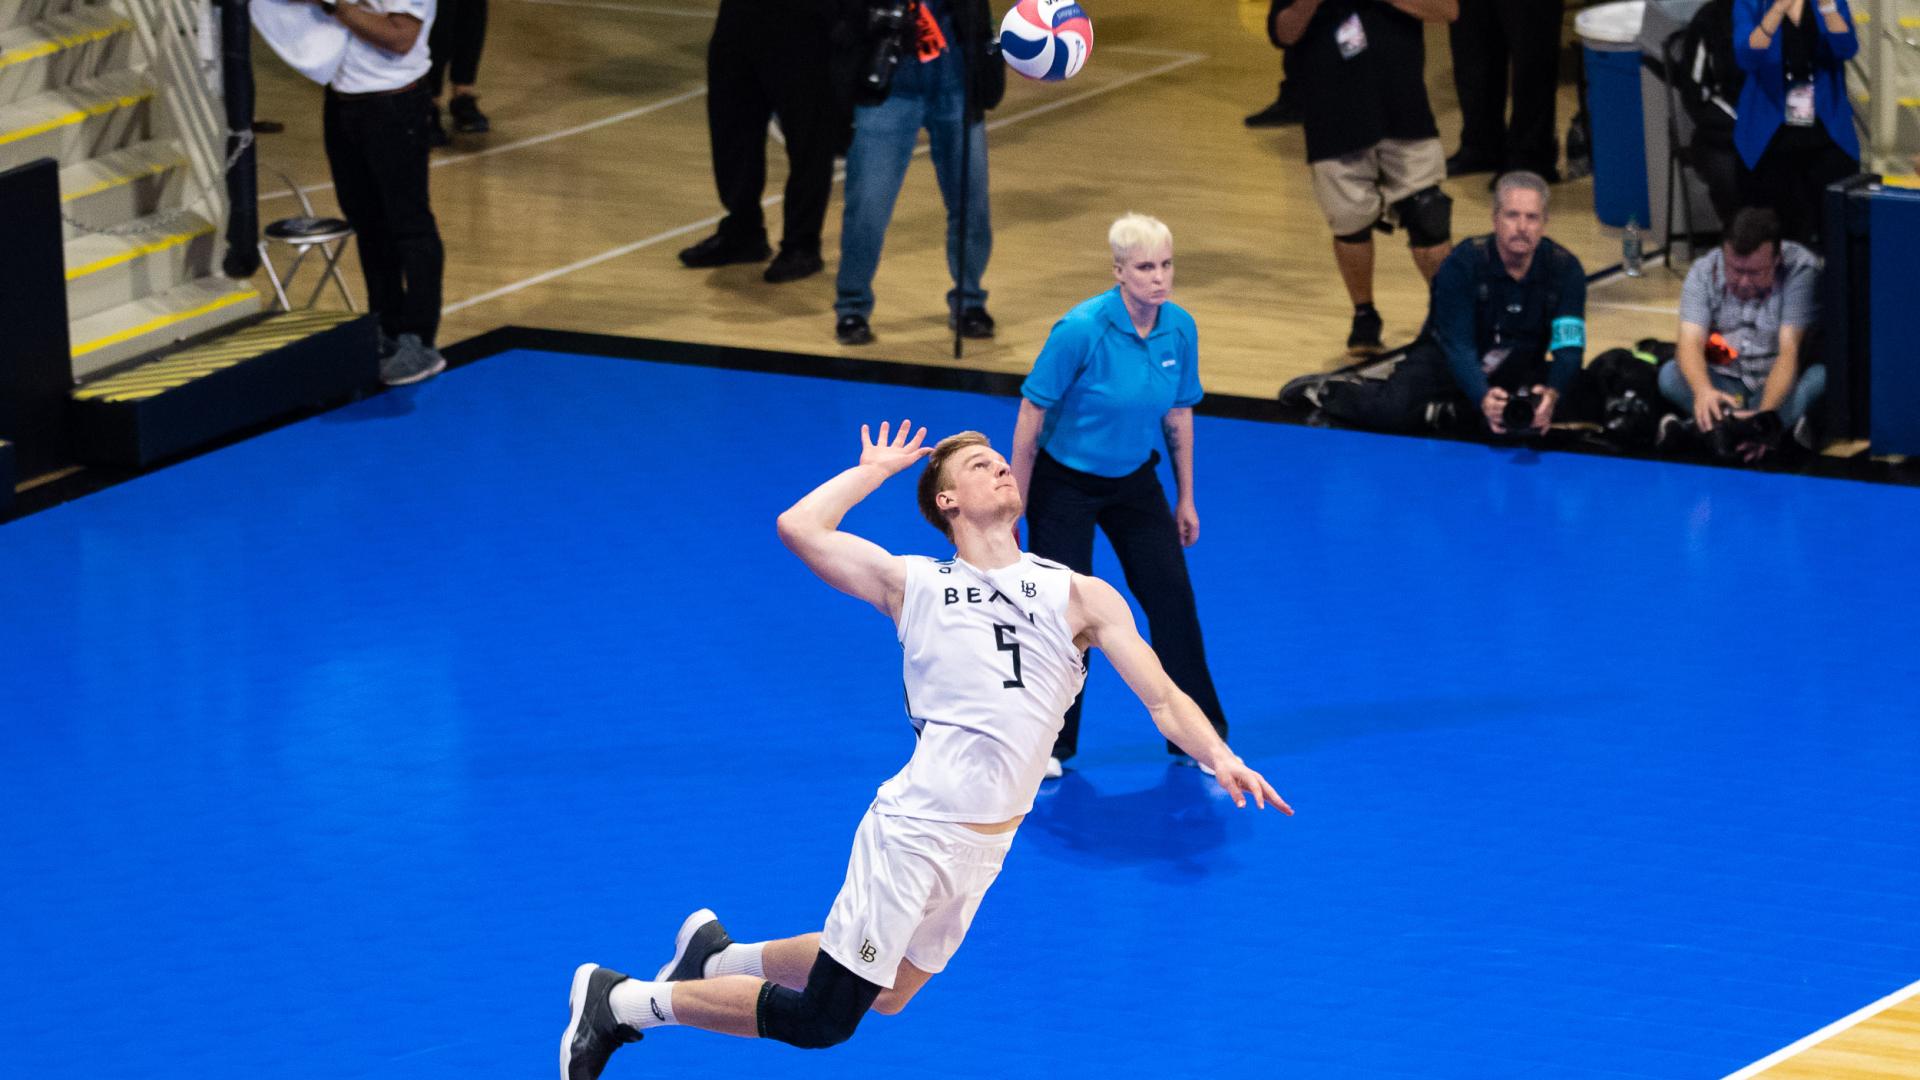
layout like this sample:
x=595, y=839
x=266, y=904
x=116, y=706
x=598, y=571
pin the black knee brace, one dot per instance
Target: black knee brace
x=1427, y=215
x=1361, y=237
x=824, y=1014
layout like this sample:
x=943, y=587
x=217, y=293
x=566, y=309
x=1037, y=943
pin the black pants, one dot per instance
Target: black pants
x=767, y=60
x=459, y=33
x=1064, y=505
x=1399, y=402
x=1791, y=176
x=1490, y=38
x=377, y=149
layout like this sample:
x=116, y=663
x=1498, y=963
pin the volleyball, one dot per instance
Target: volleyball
x=1048, y=40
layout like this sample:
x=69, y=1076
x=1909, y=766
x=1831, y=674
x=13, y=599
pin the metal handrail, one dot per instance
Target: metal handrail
x=167, y=30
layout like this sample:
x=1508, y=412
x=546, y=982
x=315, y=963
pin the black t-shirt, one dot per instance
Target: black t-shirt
x=1355, y=99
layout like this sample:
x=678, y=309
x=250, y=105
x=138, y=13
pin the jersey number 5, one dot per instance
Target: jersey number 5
x=1003, y=640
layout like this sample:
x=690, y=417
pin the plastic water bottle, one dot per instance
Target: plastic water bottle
x=1633, y=253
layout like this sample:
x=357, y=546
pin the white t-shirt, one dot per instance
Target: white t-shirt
x=367, y=68
x=990, y=669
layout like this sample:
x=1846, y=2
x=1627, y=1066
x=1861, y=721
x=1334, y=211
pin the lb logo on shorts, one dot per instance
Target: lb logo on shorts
x=867, y=952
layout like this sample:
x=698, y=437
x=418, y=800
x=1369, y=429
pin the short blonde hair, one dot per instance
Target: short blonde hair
x=1135, y=233
x=933, y=480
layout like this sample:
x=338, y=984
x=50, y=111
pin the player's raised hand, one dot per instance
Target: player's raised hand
x=1239, y=781
x=893, y=451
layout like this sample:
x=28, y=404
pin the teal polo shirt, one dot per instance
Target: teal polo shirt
x=1106, y=389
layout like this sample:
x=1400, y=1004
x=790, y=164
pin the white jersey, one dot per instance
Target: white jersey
x=991, y=669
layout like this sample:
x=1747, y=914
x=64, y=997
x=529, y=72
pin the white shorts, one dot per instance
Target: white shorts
x=912, y=888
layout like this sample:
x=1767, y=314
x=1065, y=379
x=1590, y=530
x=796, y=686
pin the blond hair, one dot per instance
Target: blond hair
x=933, y=480
x=1134, y=233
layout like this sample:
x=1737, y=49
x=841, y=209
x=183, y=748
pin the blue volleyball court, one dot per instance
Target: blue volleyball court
x=330, y=754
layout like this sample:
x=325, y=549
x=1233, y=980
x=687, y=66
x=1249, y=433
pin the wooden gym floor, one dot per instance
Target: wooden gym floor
x=569, y=214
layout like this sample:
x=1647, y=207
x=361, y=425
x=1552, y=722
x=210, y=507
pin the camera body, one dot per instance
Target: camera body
x=888, y=22
x=1732, y=432
x=1517, y=414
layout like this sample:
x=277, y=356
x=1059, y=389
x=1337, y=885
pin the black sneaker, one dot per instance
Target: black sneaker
x=1284, y=112
x=464, y=110
x=1310, y=391
x=436, y=130
x=718, y=250
x=1364, y=338
x=700, y=939
x=973, y=323
x=852, y=330
x=792, y=264
x=592, y=1034
x=1466, y=164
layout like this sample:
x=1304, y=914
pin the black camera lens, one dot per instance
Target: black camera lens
x=1518, y=413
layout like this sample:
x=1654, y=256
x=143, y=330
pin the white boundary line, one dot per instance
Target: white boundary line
x=637, y=9
x=536, y=140
x=1655, y=309
x=1183, y=59
x=1828, y=1032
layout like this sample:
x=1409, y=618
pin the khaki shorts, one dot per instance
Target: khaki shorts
x=1355, y=191
x=911, y=891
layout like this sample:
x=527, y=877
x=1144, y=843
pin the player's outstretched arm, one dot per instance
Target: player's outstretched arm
x=1099, y=612
x=855, y=565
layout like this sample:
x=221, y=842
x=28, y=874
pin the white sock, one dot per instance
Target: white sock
x=737, y=959
x=641, y=1005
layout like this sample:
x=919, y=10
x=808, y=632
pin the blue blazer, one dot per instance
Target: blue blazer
x=1763, y=101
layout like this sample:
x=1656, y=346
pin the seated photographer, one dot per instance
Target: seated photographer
x=1504, y=340
x=1744, y=315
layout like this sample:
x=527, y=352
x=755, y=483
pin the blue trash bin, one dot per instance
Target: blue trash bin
x=1609, y=36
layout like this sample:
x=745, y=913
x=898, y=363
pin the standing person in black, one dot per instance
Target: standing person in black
x=1371, y=139
x=375, y=128
x=459, y=33
x=1508, y=322
x=767, y=59
x=1491, y=39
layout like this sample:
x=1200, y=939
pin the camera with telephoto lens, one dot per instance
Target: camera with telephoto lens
x=1517, y=415
x=887, y=23
x=1731, y=432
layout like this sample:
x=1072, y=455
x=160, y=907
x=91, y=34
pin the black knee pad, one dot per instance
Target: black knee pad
x=1427, y=215
x=824, y=1014
x=1361, y=237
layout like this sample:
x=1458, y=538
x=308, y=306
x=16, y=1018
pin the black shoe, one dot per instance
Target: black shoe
x=1466, y=164
x=853, y=330
x=436, y=131
x=593, y=1034
x=1310, y=391
x=717, y=250
x=701, y=938
x=974, y=323
x=792, y=264
x=1284, y=112
x=1364, y=338
x=464, y=109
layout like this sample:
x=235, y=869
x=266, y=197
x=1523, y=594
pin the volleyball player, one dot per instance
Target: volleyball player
x=994, y=641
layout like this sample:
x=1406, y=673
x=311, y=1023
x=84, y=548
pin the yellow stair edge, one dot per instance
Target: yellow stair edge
x=178, y=369
x=59, y=42
x=171, y=240
x=161, y=322
x=108, y=96
x=126, y=176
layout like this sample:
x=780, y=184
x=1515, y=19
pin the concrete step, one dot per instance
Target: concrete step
x=116, y=188
x=77, y=122
x=120, y=333
x=19, y=12
x=106, y=271
x=61, y=50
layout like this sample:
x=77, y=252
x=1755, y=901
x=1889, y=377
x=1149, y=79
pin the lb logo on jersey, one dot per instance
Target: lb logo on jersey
x=867, y=952
x=1029, y=590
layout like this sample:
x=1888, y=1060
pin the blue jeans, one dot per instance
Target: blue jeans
x=1806, y=390
x=924, y=95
